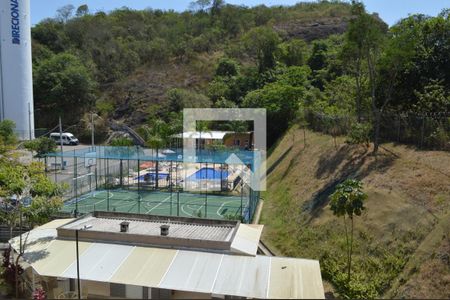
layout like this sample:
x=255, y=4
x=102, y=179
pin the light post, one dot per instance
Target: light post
x=61, y=143
x=78, y=258
x=92, y=131
x=78, y=266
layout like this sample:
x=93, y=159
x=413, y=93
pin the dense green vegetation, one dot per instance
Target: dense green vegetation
x=28, y=197
x=367, y=72
x=78, y=56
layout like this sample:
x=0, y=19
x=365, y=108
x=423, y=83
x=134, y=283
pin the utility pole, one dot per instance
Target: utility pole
x=78, y=265
x=61, y=143
x=92, y=130
x=86, y=227
x=29, y=119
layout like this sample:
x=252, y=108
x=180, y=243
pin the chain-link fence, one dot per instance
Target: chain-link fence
x=125, y=183
x=426, y=131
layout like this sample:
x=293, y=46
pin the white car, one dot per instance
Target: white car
x=67, y=138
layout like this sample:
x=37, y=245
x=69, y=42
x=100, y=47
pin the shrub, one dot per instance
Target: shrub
x=360, y=134
x=121, y=141
x=41, y=146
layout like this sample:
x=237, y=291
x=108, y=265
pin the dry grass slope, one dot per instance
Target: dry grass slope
x=402, y=239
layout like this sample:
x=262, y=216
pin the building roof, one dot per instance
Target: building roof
x=204, y=135
x=178, y=229
x=184, y=270
x=146, y=230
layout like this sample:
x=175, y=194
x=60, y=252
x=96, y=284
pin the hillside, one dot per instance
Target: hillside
x=149, y=84
x=122, y=64
x=402, y=238
x=134, y=97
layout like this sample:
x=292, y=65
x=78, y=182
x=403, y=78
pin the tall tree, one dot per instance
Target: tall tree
x=156, y=136
x=63, y=87
x=64, y=13
x=82, y=10
x=366, y=34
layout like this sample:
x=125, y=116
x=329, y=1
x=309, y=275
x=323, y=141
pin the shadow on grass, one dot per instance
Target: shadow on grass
x=361, y=164
x=278, y=161
x=293, y=163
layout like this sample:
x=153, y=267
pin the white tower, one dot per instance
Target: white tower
x=16, y=80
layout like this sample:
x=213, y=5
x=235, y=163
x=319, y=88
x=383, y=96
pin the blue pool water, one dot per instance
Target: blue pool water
x=153, y=176
x=209, y=173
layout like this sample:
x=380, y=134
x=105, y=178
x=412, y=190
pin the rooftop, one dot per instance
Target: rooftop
x=146, y=230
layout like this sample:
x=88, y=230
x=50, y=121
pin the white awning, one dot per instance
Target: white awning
x=204, y=135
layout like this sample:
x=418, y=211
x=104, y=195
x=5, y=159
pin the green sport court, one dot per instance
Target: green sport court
x=160, y=203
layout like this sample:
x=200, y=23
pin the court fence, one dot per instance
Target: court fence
x=201, y=189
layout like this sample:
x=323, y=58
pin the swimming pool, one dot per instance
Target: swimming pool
x=210, y=174
x=152, y=176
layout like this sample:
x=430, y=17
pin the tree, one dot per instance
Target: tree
x=216, y=7
x=353, y=57
x=50, y=33
x=7, y=136
x=348, y=200
x=199, y=5
x=397, y=53
x=202, y=126
x=318, y=58
x=218, y=89
x=41, y=146
x=295, y=76
x=366, y=33
x=20, y=183
x=433, y=98
x=293, y=52
x=63, y=87
x=156, y=137
x=426, y=40
x=325, y=61
x=281, y=102
x=63, y=14
x=227, y=67
x=261, y=44
x=82, y=10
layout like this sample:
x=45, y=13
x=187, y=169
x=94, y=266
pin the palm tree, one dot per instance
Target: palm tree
x=202, y=126
x=156, y=137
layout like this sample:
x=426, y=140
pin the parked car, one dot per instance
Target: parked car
x=67, y=138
